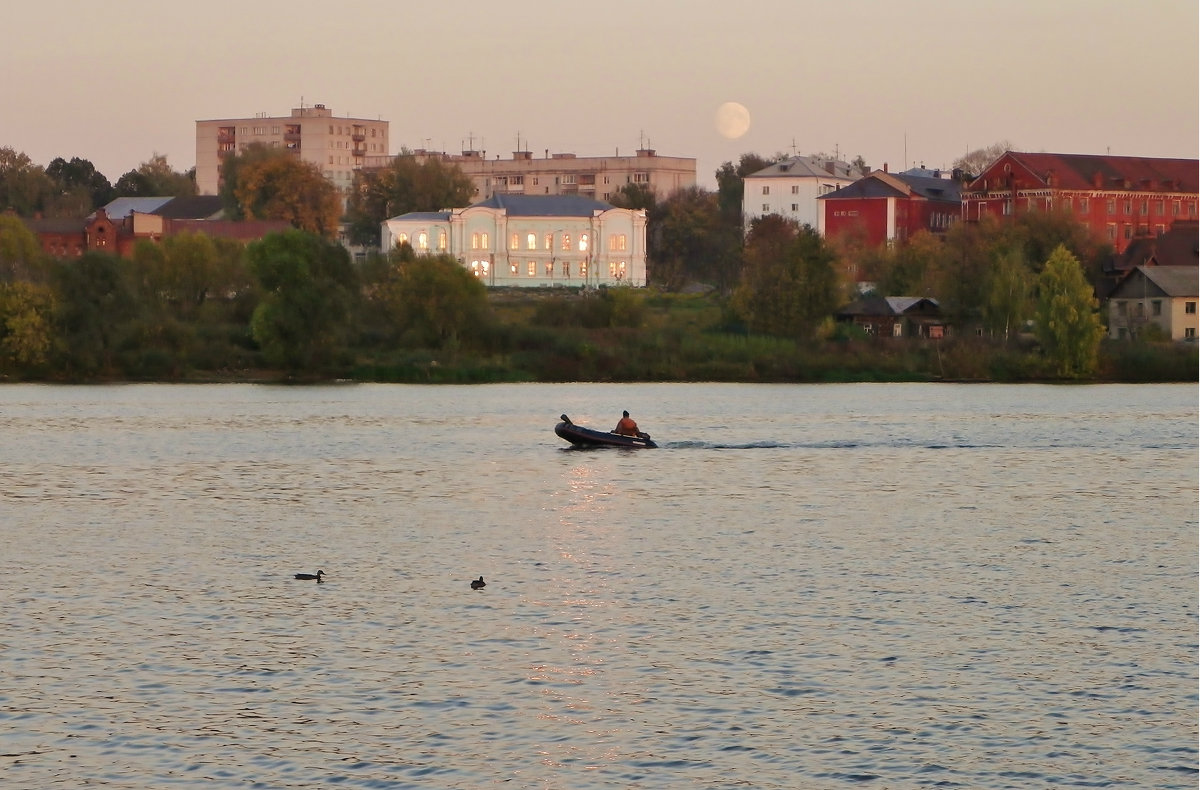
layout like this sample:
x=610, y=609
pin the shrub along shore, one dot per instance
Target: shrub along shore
x=618, y=335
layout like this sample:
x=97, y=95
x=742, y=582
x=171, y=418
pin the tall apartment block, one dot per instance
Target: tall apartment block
x=336, y=145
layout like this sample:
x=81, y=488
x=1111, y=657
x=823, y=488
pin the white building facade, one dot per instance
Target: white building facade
x=532, y=240
x=337, y=146
x=790, y=188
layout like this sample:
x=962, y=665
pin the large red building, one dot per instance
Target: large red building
x=1121, y=198
x=890, y=207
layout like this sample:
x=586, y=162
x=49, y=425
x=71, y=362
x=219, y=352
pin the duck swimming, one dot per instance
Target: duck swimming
x=310, y=576
x=478, y=584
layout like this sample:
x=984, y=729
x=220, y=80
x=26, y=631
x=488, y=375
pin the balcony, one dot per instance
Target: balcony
x=358, y=137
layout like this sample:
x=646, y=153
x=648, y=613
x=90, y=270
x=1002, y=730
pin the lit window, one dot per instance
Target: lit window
x=566, y=242
x=422, y=240
x=566, y=268
x=401, y=238
x=514, y=242
x=513, y=268
x=531, y=241
x=484, y=238
x=583, y=269
x=549, y=268
x=442, y=240
x=549, y=241
x=616, y=242
x=532, y=270
x=583, y=242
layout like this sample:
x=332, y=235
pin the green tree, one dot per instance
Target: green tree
x=309, y=289
x=155, y=178
x=96, y=304
x=432, y=300
x=407, y=184
x=1068, y=326
x=1009, y=299
x=789, y=285
x=24, y=187
x=286, y=188
x=635, y=196
x=690, y=241
x=26, y=324
x=82, y=187
x=730, y=184
x=21, y=257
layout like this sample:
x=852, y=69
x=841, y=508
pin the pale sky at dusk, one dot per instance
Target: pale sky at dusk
x=904, y=82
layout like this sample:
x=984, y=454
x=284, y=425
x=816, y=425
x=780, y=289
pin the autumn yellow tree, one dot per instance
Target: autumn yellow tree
x=286, y=188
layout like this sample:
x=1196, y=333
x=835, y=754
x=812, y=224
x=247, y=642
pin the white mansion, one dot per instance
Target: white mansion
x=532, y=240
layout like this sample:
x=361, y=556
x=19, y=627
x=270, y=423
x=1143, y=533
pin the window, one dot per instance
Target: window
x=1128, y=231
x=422, y=241
x=532, y=269
x=1189, y=308
x=1128, y=207
x=566, y=268
x=583, y=269
x=766, y=190
x=549, y=241
x=1083, y=205
x=1145, y=207
x=514, y=242
x=1175, y=208
x=1112, y=231
x=616, y=270
x=516, y=180
x=566, y=242
x=442, y=240
x=616, y=242
x=531, y=241
x=766, y=208
x=1156, y=307
x=549, y=268
x=514, y=268
x=795, y=189
x=1111, y=206
x=1189, y=331
x=583, y=242
x=568, y=179
x=401, y=238
x=1160, y=208
x=795, y=207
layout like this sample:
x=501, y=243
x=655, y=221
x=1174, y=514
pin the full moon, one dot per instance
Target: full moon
x=733, y=120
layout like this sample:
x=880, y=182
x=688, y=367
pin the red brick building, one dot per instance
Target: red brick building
x=891, y=207
x=1121, y=198
x=142, y=218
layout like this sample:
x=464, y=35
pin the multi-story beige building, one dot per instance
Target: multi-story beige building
x=338, y=146
x=597, y=177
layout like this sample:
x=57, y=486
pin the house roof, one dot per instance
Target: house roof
x=55, y=224
x=887, y=305
x=807, y=167
x=544, y=205
x=1178, y=246
x=122, y=207
x=191, y=207
x=425, y=216
x=880, y=184
x=1086, y=171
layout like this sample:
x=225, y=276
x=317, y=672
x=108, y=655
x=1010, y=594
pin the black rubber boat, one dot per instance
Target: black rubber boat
x=586, y=437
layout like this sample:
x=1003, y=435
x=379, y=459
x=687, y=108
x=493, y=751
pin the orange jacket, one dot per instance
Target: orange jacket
x=626, y=427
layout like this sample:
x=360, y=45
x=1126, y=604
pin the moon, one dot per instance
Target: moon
x=733, y=120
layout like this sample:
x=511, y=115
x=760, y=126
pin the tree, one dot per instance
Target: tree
x=1068, y=326
x=24, y=187
x=82, y=186
x=689, y=240
x=96, y=303
x=730, y=184
x=21, y=257
x=1009, y=295
x=432, y=300
x=155, y=178
x=407, y=184
x=231, y=167
x=289, y=189
x=634, y=196
x=309, y=287
x=788, y=284
x=26, y=324
x=975, y=162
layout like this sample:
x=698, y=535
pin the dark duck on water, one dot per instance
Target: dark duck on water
x=310, y=576
x=478, y=584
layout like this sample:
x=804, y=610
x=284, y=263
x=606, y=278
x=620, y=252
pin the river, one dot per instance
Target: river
x=871, y=585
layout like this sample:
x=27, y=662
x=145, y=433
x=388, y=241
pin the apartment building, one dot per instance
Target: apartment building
x=596, y=177
x=790, y=188
x=335, y=144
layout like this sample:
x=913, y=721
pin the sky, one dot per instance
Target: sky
x=901, y=82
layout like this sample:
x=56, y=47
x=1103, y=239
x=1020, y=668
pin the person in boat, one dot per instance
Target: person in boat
x=626, y=426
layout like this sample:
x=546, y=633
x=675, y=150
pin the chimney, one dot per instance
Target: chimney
x=885, y=167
